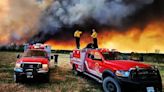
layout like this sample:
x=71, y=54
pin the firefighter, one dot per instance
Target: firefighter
x=94, y=36
x=77, y=35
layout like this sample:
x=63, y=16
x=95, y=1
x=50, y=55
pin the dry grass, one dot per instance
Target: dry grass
x=61, y=77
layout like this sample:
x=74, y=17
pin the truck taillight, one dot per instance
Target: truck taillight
x=76, y=54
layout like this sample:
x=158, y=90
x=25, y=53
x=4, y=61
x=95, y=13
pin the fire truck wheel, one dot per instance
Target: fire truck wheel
x=75, y=72
x=111, y=85
x=16, y=78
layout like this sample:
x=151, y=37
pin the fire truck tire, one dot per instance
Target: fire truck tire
x=16, y=79
x=111, y=85
x=75, y=72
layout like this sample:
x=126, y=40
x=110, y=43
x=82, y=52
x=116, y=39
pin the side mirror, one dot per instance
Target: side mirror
x=52, y=57
x=18, y=56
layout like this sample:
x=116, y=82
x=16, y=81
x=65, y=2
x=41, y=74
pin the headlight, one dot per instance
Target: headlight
x=154, y=67
x=122, y=73
x=45, y=66
x=18, y=65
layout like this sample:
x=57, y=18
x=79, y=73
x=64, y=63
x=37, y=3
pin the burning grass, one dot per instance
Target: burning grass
x=61, y=77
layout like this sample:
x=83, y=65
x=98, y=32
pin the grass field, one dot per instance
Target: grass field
x=61, y=77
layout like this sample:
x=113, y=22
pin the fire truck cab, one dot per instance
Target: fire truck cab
x=115, y=74
x=33, y=64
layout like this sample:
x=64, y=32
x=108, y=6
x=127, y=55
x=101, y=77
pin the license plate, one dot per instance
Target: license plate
x=150, y=89
x=29, y=73
x=29, y=76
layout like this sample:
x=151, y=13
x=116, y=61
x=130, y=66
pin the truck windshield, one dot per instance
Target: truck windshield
x=112, y=56
x=35, y=53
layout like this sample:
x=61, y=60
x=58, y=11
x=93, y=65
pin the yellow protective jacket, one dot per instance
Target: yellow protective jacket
x=94, y=35
x=77, y=33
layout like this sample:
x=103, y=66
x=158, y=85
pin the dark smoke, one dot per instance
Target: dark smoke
x=63, y=17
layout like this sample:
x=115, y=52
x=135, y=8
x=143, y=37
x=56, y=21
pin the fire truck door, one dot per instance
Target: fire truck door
x=93, y=63
x=97, y=62
x=89, y=63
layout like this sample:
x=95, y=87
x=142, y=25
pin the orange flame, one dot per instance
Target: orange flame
x=147, y=40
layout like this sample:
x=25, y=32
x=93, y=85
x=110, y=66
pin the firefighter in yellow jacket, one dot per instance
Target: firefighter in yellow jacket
x=94, y=36
x=77, y=35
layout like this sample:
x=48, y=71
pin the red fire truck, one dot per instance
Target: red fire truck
x=33, y=64
x=115, y=74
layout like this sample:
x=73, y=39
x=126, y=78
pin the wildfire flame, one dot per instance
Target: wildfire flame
x=147, y=40
x=18, y=20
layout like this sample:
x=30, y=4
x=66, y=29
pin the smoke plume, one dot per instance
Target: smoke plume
x=66, y=15
x=27, y=21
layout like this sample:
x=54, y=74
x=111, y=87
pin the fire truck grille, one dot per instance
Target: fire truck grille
x=31, y=66
x=144, y=74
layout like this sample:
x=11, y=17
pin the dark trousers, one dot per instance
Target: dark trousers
x=95, y=43
x=77, y=42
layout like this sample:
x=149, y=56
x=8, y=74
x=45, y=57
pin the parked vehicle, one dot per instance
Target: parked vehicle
x=33, y=64
x=115, y=74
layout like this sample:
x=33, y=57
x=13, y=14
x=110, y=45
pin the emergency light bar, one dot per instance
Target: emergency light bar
x=37, y=46
x=45, y=47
